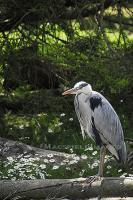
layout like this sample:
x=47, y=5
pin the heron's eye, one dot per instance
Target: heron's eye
x=82, y=85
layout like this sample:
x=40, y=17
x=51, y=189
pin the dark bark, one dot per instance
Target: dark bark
x=74, y=14
x=66, y=188
x=51, y=11
x=116, y=21
x=15, y=148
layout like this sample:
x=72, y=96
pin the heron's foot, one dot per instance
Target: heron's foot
x=91, y=179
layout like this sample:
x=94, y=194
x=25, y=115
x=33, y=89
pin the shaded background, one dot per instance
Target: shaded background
x=47, y=46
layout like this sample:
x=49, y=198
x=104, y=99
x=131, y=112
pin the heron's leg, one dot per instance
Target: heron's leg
x=102, y=157
x=97, y=177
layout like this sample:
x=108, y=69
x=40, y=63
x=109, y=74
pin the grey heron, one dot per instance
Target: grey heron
x=99, y=121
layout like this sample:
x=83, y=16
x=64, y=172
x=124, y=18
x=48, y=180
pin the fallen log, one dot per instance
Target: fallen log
x=18, y=150
x=66, y=188
x=14, y=148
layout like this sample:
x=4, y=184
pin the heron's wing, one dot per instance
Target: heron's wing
x=108, y=125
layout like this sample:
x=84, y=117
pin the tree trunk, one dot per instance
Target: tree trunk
x=66, y=188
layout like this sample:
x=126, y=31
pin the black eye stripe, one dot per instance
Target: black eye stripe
x=83, y=85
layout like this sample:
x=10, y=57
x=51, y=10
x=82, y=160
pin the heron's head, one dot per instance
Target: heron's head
x=80, y=87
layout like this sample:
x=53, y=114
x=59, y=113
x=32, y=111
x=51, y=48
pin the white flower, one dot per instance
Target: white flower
x=27, y=156
x=73, y=162
x=89, y=148
x=32, y=177
x=46, y=160
x=95, y=164
x=123, y=175
x=62, y=114
x=71, y=150
x=81, y=173
x=60, y=124
x=94, y=153
x=16, y=167
x=50, y=130
x=71, y=119
x=89, y=165
x=28, y=170
x=50, y=155
x=130, y=175
x=66, y=161
x=109, y=167
x=10, y=159
x=21, y=173
x=77, y=158
x=43, y=166
x=31, y=159
x=52, y=160
x=24, y=160
x=21, y=126
x=84, y=157
x=10, y=171
x=120, y=170
x=42, y=175
x=14, y=178
x=67, y=155
x=62, y=163
x=68, y=168
x=55, y=167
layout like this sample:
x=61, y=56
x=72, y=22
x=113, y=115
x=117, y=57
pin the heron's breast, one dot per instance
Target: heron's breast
x=85, y=114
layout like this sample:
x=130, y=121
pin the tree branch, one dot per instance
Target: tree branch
x=86, y=12
x=115, y=21
x=67, y=14
x=66, y=188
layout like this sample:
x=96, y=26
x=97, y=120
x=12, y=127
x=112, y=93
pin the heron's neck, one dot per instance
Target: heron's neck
x=87, y=90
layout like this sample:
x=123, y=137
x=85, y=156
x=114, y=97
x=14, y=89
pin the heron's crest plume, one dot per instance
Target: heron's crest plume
x=80, y=84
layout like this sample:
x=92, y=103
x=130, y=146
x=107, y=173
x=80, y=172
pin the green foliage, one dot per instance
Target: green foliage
x=41, y=52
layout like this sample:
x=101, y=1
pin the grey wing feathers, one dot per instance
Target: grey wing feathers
x=109, y=127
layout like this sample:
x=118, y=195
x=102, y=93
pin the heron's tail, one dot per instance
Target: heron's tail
x=122, y=153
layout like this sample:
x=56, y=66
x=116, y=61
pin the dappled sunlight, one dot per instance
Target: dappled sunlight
x=45, y=48
x=31, y=168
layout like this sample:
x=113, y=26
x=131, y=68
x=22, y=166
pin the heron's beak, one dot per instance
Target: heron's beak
x=70, y=91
